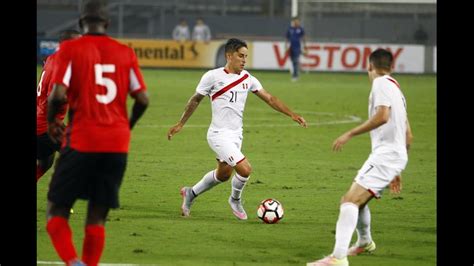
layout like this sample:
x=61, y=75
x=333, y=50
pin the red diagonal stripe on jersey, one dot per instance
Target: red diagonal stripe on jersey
x=394, y=81
x=228, y=87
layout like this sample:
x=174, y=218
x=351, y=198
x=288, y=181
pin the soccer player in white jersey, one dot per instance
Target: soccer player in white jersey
x=227, y=88
x=391, y=137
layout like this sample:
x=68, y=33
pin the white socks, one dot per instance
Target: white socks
x=363, y=227
x=207, y=182
x=238, y=183
x=210, y=180
x=346, y=224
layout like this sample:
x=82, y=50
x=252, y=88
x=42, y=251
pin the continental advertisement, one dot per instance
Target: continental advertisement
x=170, y=53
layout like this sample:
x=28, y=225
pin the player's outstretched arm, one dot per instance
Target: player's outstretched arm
x=188, y=111
x=139, y=107
x=278, y=105
x=381, y=117
x=56, y=101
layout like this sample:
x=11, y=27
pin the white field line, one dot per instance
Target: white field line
x=350, y=119
x=100, y=264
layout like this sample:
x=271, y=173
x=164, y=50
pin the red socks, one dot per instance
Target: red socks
x=93, y=244
x=39, y=173
x=61, y=236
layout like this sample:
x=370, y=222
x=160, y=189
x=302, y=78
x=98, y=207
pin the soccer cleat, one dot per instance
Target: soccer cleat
x=329, y=260
x=355, y=250
x=237, y=208
x=186, y=193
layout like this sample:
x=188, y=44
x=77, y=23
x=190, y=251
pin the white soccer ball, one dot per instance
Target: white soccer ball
x=270, y=211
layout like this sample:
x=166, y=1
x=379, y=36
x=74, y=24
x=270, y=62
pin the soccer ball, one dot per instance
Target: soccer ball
x=270, y=211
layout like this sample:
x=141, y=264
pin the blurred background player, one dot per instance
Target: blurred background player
x=181, y=31
x=420, y=35
x=201, y=31
x=294, y=35
x=95, y=82
x=227, y=88
x=391, y=136
x=45, y=148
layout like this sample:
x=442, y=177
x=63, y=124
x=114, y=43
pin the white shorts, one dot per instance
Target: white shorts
x=375, y=176
x=226, y=146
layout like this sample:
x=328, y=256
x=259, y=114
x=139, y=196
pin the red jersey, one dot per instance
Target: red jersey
x=42, y=92
x=99, y=74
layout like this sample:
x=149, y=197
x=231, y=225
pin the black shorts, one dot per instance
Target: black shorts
x=91, y=176
x=45, y=146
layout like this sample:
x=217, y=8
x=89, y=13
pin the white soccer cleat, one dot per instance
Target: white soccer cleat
x=186, y=193
x=329, y=261
x=237, y=208
x=356, y=250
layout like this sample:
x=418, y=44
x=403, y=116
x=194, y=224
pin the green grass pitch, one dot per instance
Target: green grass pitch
x=290, y=163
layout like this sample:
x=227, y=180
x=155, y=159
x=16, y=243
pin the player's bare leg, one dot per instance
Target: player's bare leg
x=240, y=178
x=223, y=171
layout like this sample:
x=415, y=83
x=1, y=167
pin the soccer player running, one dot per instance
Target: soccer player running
x=227, y=88
x=93, y=75
x=391, y=137
x=45, y=148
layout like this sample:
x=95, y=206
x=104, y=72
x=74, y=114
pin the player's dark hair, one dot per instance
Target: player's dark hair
x=381, y=59
x=94, y=12
x=67, y=34
x=233, y=45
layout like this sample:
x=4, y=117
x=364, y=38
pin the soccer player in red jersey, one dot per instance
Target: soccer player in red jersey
x=93, y=75
x=45, y=148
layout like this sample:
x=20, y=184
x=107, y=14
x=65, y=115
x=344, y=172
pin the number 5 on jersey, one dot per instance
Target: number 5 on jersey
x=40, y=85
x=107, y=82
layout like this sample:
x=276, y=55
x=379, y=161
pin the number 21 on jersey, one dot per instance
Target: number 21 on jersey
x=233, y=97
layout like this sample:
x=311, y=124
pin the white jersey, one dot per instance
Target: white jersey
x=201, y=33
x=181, y=33
x=228, y=94
x=389, y=138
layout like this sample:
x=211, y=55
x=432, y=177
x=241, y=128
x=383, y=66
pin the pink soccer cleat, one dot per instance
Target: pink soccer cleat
x=186, y=193
x=355, y=250
x=237, y=208
x=329, y=260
